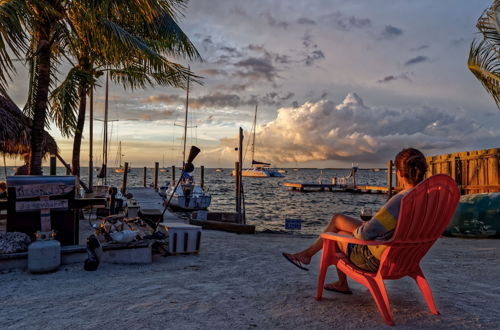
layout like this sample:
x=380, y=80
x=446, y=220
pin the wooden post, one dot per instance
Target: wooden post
x=145, y=176
x=389, y=178
x=68, y=171
x=155, y=182
x=202, y=177
x=91, y=139
x=53, y=165
x=237, y=176
x=125, y=174
x=173, y=175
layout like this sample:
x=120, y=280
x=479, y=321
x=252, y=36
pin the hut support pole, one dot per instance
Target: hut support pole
x=4, y=165
x=173, y=175
x=144, y=177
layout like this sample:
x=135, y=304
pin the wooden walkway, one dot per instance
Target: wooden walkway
x=148, y=198
x=336, y=188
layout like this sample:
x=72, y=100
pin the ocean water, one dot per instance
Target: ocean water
x=267, y=201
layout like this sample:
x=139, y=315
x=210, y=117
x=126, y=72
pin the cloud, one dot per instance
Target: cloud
x=352, y=131
x=402, y=76
x=274, y=22
x=213, y=72
x=391, y=32
x=138, y=114
x=219, y=100
x=344, y=22
x=422, y=47
x=306, y=21
x=460, y=41
x=311, y=50
x=415, y=60
x=257, y=69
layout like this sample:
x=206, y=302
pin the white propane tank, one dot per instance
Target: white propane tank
x=44, y=254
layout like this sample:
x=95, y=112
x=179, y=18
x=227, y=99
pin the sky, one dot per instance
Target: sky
x=336, y=82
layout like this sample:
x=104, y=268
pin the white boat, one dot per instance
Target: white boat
x=187, y=195
x=163, y=169
x=258, y=169
x=220, y=170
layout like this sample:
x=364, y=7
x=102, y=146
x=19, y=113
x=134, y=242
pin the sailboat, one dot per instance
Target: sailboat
x=120, y=169
x=188, y=195
x=258, y=169
x=163, y=168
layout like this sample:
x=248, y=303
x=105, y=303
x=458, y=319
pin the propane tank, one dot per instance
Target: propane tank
x=44, y=254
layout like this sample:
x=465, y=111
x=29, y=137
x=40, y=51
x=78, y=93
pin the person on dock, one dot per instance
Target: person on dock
x=24, y=169
x=411, y=167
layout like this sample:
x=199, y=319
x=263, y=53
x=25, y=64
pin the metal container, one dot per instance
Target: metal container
x=44, y=254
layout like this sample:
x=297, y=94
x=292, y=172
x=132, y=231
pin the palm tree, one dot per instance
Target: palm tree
x=39, y=31
x=132, y=50
x=484, y=55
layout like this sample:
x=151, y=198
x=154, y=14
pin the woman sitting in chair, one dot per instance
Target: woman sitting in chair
x=411, y=167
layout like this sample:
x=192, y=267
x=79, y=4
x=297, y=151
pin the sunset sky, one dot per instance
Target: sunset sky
x=336, y=82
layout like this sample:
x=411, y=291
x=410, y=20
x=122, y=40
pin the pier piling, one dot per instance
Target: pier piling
x=125, y=174
x=389, y=178
x=155, y=182
x=144, y=177
x=53, y=165
x=202, y=177
x=173, y=175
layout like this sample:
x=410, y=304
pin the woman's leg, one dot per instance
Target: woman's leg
x=339, y=223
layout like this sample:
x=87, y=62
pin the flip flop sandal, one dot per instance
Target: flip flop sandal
x=337, y=290
x=294, y=261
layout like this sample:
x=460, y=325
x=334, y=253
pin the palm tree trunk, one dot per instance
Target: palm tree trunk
x=77, y=142
x=41, y=99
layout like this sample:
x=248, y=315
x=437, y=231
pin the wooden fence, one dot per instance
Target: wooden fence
x=474, y=171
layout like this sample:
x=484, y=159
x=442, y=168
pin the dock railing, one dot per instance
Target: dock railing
x=474, y=171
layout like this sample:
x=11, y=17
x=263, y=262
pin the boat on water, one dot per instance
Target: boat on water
x=163, y=169
x=220, y=170
x=282, y=171
x=187, y=195
x=120, y=169
x=258, y=169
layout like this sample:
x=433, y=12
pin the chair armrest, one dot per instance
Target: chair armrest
x=350, y=239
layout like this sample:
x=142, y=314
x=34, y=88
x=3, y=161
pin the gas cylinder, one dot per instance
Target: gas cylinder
x=44, y=254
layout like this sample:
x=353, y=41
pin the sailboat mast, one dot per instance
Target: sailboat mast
x=253, y=138
x=185, y=123
x=120, y=153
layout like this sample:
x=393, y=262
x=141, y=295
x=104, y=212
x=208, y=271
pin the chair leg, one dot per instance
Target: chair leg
x=379, y=293
x=426, y=291
x=326, y=261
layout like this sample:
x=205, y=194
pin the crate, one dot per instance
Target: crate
x=182, y=238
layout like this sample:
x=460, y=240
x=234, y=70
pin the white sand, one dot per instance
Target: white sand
x=243, y=282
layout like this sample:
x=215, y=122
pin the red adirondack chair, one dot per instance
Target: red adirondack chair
x=424, y=214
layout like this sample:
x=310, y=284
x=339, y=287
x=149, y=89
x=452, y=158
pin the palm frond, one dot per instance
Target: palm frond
x=484, y=63
x=65, y=100
x=13, y=36
x=488, y=24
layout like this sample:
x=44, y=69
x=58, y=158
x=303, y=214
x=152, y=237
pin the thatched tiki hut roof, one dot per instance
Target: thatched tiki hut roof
x=15, y=131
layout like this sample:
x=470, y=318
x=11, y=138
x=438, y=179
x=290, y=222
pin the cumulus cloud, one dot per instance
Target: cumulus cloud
x=312, y=51
x=391, y=32
x=257, y=69
x=353, y=131
x=274, y=22
x=415, y=60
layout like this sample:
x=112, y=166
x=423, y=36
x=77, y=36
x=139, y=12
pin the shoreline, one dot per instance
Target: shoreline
x=242, y=281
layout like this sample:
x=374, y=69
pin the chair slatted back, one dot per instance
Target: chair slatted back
x=424, y=214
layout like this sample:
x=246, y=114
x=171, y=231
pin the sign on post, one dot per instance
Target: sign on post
x=293, y=224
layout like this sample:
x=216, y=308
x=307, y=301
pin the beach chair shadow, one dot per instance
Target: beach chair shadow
x=424, y=214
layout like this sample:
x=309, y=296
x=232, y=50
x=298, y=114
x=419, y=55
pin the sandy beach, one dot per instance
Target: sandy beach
x=243, y=282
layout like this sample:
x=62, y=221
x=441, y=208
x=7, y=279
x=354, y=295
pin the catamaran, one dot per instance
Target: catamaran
x=258, y=169
x=187, y=195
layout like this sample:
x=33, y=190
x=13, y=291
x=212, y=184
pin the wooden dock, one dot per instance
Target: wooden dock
x=303, y=187
x=148, y=198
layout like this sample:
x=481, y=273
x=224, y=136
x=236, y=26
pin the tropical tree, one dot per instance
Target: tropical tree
x=484, y=55
x=44, y=31
x=133, y=49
